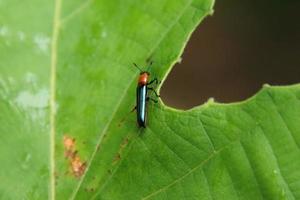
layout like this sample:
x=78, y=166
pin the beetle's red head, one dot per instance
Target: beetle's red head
x=143, y=78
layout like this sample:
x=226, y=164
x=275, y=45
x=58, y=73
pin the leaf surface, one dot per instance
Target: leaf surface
x=67, y=86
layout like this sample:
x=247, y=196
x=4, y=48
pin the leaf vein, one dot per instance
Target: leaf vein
x=283, y=120
x=252, y=169
x=212, y=155
x=75, y=12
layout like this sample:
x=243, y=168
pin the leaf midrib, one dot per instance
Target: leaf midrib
x=52, y=100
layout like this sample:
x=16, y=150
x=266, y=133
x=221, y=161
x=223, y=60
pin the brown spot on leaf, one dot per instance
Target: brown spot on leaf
x=77, y=166
x=117, y=158
x=56, y=175
x=69, y=143
x=98, y=148
x=124, y=143
x=89, y=189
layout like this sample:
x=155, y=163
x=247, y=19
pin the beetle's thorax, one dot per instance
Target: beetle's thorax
x=143, y=78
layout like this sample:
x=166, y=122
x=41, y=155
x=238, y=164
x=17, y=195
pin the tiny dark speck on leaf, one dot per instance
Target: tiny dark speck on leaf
x=89, y=190
x=56, y=175
x=117, y=158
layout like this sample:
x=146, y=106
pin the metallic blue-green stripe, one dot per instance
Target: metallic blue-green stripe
x=141, y=100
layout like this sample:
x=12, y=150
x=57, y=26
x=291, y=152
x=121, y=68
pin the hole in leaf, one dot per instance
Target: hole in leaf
x=233, y=53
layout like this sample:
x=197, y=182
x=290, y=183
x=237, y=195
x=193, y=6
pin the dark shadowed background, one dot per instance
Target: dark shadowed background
x=244, y=45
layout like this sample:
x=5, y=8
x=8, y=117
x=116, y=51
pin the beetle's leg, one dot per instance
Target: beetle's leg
x=133, y=109
x=152, y=89
x=155, y=80
x=123, y=120
x=149, y=98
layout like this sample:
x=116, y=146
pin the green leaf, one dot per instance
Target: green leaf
x=67, y=85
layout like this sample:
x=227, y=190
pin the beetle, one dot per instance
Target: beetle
x=142, y=95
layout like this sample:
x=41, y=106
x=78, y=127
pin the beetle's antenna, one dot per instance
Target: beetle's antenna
x=151, y=62
x=137, y=67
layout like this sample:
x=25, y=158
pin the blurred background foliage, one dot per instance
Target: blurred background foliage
x=244, y=45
